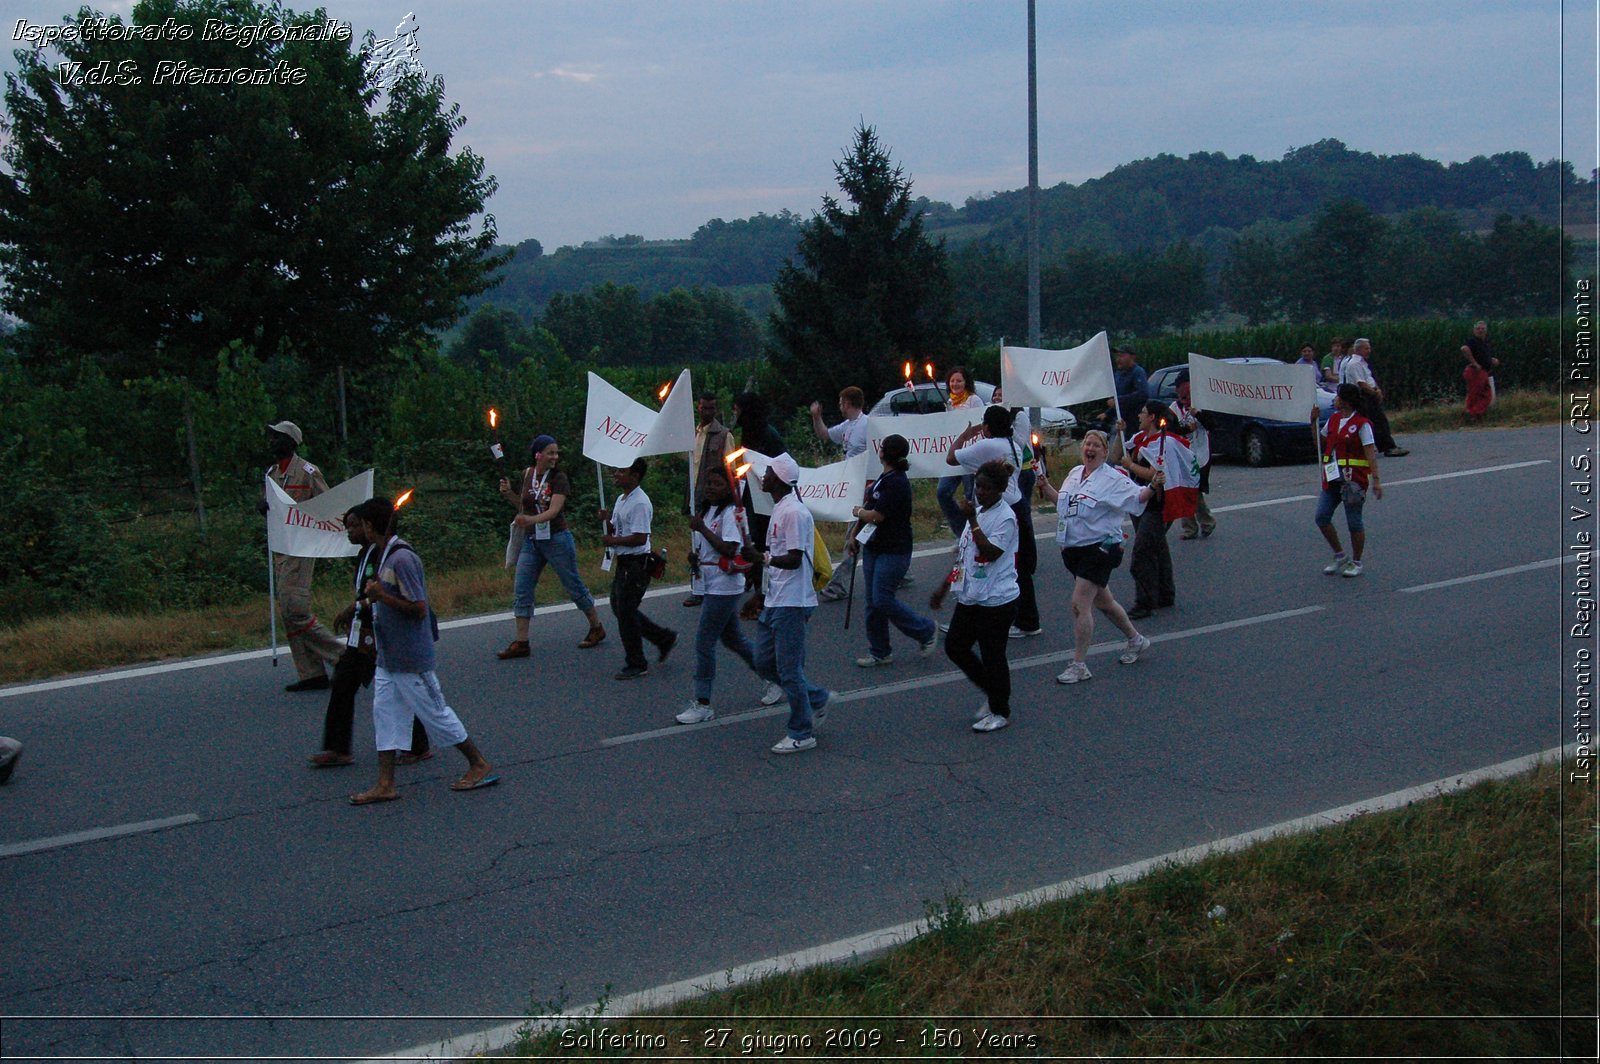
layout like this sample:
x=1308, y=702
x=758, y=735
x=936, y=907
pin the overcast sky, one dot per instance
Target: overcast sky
x=653, y=116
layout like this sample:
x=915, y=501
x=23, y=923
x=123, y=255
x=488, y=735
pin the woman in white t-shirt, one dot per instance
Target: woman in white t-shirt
x=717, y=547
x=1090, y=505
x=962, y=397
x=985, y=582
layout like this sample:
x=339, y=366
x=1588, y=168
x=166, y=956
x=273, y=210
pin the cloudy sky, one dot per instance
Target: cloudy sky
x=653, y=116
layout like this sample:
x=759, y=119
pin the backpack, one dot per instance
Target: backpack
x=821, y=562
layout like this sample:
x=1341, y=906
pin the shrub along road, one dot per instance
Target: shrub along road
x=622, y=850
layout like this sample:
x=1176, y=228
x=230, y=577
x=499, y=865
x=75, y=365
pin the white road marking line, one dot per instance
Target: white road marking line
x=1548, y=563
x=870, y=944
x=56, y=842
x=950, y=676
x=657, y=592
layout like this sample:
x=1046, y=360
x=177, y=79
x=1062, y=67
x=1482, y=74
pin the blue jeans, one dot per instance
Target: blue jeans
x=947, y=501
x=719, y=620
x=780, y=658
x=559, y=552
x=1353, y=497
x=883, y=573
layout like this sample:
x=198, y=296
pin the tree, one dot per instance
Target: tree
x=150, y=219
x=1252, y=279
x=1334, y=262
x=866, y=290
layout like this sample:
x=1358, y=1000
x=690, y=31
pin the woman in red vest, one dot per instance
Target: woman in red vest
x=1349, y=467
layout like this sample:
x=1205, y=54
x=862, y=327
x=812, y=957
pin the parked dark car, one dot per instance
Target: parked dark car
x=1257, y=440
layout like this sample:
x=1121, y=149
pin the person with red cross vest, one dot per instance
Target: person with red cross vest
x=1349, y=468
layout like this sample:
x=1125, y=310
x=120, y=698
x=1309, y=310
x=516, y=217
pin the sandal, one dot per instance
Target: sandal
x=593, y=639
x=518, y=649
x=408, y=758
x=331, y=759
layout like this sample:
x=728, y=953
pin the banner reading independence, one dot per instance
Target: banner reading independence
x=1267, y=389
x=830, y=492
x=616, y=429
x=1032, y=376
x=314, y=528
x=928, y=435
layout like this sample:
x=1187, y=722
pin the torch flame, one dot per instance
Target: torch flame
x=908, y=371
x=1036, y=439
x=404, y=498
x=741, y=471
x=927, y=368
x=494, y=418
x=665, y=388
x=731, y=458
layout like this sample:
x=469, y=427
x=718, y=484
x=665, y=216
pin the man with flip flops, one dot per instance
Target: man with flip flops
x=405, y=685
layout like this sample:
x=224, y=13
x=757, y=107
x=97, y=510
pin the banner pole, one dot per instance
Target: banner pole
x=272, y=603
x=599, y=482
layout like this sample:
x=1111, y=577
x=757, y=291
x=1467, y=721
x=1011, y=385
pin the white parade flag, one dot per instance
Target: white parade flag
x=830, y=492
x=314, y=528
x=616, y=429
x=929, y=437
x=1035, y=377
x=1270, y=390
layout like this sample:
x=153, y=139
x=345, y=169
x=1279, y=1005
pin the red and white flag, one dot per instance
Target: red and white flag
x=1171, y=455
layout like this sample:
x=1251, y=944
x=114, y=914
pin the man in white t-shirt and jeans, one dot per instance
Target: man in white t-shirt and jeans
x=628, y=539
x=780, y=645
x=851, y=434
x=992, y=440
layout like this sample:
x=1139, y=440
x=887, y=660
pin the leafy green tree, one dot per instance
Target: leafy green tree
x=867, y=289
x=1252, y=279
x=678, y=328
x=1334, y=263
x=1521, y=269
x=1423, y=265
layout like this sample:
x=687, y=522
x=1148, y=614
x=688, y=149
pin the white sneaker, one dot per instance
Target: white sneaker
x=772, y=695
x=788, y=745
x=991, y=723
x=819, y=714
x=1335, y=567
x=926, y=649
x=869, y=661
x=1076, y=672
x=1136, y=646
x=983, y=711
x=1024, y=633
x=944, y=626
x=1353, y=569
x=696, y=713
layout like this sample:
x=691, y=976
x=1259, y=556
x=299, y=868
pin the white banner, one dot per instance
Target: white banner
x=830, y=492
x=314, y=528
x=928, y=435
x=616, y=429
x=1035, y=377
x=1270, y=390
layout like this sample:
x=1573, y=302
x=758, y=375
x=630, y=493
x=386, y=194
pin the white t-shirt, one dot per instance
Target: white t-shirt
x=987, y=449
x=1357, y=372
x=851, y=435
x=727, y=524
x=971, y=400
x=792, y=528
x=1089, y=509
x=989, y=583
x=1022, y=429
x=632, y=513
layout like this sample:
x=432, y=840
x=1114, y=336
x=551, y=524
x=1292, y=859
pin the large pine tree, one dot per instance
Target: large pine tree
x=867, y=289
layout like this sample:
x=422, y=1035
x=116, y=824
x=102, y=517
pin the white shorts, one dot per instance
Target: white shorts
x=397, y=697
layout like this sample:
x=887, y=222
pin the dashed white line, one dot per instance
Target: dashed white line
x=75, y=838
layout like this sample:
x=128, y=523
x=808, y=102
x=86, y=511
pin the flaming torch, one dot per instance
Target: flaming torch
x=661, y=393
x=907, y=370
x=735, y=473
x=1038, y=459
x=404, y=497
x=495, y=449
x=927, y=367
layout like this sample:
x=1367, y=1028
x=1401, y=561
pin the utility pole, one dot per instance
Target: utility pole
x=1033, y=184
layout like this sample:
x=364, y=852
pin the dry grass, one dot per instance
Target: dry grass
x=1430, y=930
x=1511, y=409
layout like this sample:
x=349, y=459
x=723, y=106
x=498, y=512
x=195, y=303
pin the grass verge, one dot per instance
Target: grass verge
x=1449, y=928
x=54, y=646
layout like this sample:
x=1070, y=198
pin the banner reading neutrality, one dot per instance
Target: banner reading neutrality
x=1035, y=377
x=616, y=429
x=314, y=528
x=1270, y=390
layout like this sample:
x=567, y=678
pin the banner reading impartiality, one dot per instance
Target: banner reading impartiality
x=929, y=437
x=314, y=528
x=1270, y=390
x=830, y=492
x=616, y=429
x=1035, y=377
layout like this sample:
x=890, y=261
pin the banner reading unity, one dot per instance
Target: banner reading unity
x=830, y=492
x=1266, y=389
x=616, y=429
x=314, y=528
x=928, y=435
x=1035, y=377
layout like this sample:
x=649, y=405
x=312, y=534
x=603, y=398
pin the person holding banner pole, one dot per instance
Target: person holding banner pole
x=1349, y=467
x=541, y=525
x=755, y=434
x=312, y=645
x=1200, y=524
x=851, y=434
x=884, y=543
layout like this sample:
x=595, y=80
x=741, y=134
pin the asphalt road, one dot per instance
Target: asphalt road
x=622, y=851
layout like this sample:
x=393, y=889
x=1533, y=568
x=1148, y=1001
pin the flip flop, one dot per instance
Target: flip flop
x=372, y=799
x=487, y=781
x=329, y=759
x=408, y=758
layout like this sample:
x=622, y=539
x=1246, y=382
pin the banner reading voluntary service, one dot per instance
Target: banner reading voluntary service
x=1032, y=376
x=314, y=528
x=1271, y=390
x=616, y=429
x=928, y=435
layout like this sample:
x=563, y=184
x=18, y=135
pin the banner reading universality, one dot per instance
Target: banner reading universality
x=616, y=429
x=314, y=528
x=1270, y=390
x=1035, y=377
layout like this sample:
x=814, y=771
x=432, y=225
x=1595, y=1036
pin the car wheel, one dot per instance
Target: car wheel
x=1257, y=451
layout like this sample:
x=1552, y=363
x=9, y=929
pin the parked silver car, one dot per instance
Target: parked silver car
x=929, y=398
